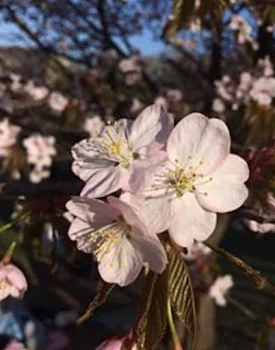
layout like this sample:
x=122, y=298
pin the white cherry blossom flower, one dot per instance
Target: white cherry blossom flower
x=258, y=227
x=8, y=136
x=220, y=288
x=40, y=153
x=93, y=125
x=218, y=105
x=200, y=178
x=117, y=238
x=122, y=153
x=57, y=102
x=36, y=92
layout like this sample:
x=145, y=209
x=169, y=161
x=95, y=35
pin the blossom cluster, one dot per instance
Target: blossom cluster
x=165, y=178
x=256, y=87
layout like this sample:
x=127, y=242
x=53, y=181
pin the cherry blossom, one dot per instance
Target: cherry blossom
x=57, y=102
x=8, y=136
x=220, y=288
x=93, y=125
x=263, y=90
x=36, y=92
x=200, y=178
x=120, y=155
x=116, y=236
x=40, y=153
x=113, y=344
x=14, y=345
x=12, y=282
x=258, y=227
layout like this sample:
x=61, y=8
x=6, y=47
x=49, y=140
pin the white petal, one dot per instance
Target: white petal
x=152, y=252
x=155, y=212
x=85, y=164
x=129, y=215
x=122, y=264
x=190, y=221
x=103, y=182
x=152, y=125
x=88, y=209
x=226, y=192
x=198, y=139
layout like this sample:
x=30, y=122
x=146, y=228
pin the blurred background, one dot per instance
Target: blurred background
x=67, y=67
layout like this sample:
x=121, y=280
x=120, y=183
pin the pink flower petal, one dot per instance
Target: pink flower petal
x=128, y=214
x=226, y=192
x=111, y=344
x=152, y=252
x=190, y=221
x=103, y=182
x=152, y=125
x=89, y=209
x=17, y=278
x=198, y=139
x=155, y=212
x=122, y=264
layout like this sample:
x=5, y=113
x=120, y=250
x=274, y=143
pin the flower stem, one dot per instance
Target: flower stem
x=176, y=339
x=256, y=276
x=7, y=257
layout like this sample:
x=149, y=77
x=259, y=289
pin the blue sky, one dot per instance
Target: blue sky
x=145, y=43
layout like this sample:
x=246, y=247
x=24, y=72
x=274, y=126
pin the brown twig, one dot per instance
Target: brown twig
x=256, y=276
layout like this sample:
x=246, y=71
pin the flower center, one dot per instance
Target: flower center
x=107, y=238
x=5, y=284
x=178, y=180
x=112, y=144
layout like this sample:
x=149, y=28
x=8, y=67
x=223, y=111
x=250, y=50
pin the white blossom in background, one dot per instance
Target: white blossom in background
x=93, y=125
x=137, y=105
x=132, y=68
x=218, y=105
x=220, y=288
x=8, y=136
x=263, y=91
x=243, y=29
x=40, y=152
x=16, y=83
x=36, y=92
x=265, y=65
x=57, y=102
x=132, y=64
x=195, y=25
x=197, y=250
x=253, y=86
x=258, y=227
x=174, y=95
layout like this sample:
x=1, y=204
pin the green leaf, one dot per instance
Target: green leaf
x=181, y=293
x=103, y=291
x=152, y=322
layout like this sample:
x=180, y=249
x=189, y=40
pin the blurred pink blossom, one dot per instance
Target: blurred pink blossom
x=40, y=153
x=258, y=227
x=94, y=125
x=8, y=136
x=36, y=92
x=14, y=345
x=12, y=282
x=57, y=102
x=220, y=288
x=113, y=344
